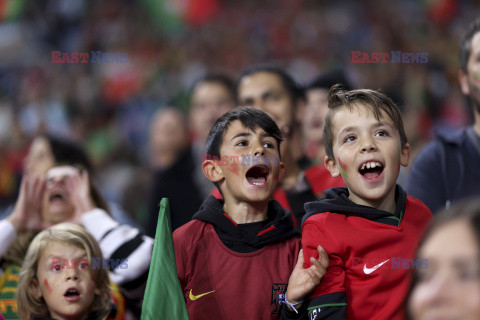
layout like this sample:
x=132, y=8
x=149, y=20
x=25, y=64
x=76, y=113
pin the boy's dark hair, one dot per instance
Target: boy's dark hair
x=466, y=43
x=219, y=78
x=295, y=91
x=376, y=101
x=250, y=118
x=327, y=80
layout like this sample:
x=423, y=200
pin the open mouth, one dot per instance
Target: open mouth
x=371, y=170
x=258, y=175
x=72, y=292
x=72, y=295
x=56, y=195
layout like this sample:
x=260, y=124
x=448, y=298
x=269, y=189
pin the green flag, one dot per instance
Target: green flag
x=163, y=297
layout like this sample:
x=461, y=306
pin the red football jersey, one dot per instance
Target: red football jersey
x=369, y=261
x=219, y=283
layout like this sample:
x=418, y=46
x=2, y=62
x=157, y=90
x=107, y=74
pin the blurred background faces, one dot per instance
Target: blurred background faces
x=111, y=106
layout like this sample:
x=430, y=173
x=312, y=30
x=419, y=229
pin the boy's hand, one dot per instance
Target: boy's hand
x=78, y=187
x=27, y=214
x=302, y=281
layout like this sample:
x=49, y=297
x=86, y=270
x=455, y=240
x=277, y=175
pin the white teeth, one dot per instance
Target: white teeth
x=370, y=165
x=257, y=183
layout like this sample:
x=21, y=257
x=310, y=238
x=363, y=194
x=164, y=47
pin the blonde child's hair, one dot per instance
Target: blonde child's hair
x=66, y=233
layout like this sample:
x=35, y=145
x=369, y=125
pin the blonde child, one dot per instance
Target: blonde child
x=56, y=280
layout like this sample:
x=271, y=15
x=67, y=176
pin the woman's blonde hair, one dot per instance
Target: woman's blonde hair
x=66, y=233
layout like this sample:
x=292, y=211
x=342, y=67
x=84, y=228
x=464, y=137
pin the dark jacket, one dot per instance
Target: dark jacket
x=177, y=184
x=447, y=169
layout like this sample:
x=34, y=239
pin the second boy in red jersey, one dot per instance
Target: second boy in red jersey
x=371, y=228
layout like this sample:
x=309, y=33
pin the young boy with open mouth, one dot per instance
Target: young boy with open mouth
x=370, y=228
x=235, y=258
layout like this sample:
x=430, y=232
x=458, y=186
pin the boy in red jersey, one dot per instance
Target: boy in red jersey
x=235, y=258
x=370, y=229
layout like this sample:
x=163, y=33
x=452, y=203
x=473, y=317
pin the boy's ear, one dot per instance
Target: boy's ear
x=35, y=289
x=405, y=156
x=212, y=170
x=463, y=80
x=332, y=166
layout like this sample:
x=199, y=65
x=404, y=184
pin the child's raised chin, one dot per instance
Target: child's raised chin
x=68, y=289
x=248, y=182
x=367, y=153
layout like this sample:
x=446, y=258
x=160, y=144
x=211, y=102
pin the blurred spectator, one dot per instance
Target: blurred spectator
x=172, y=170
x=316, y=108
x=48, y=151
x=446, y=281
x=182, y=179
x=212, y=96
x=447, y=169
x=168, y=137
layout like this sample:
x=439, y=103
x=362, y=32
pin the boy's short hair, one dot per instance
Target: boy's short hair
x=466, y=44
x=250, y=118
x=295, y=91
x=375, y=100
x=70, y=234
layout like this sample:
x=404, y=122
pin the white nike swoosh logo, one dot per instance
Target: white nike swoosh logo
x=370, y=270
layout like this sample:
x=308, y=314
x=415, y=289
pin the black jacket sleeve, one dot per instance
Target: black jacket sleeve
x=331, y=306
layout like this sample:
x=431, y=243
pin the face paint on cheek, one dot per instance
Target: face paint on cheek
x=234, y=168
x=49, y=289
x=343, y=168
